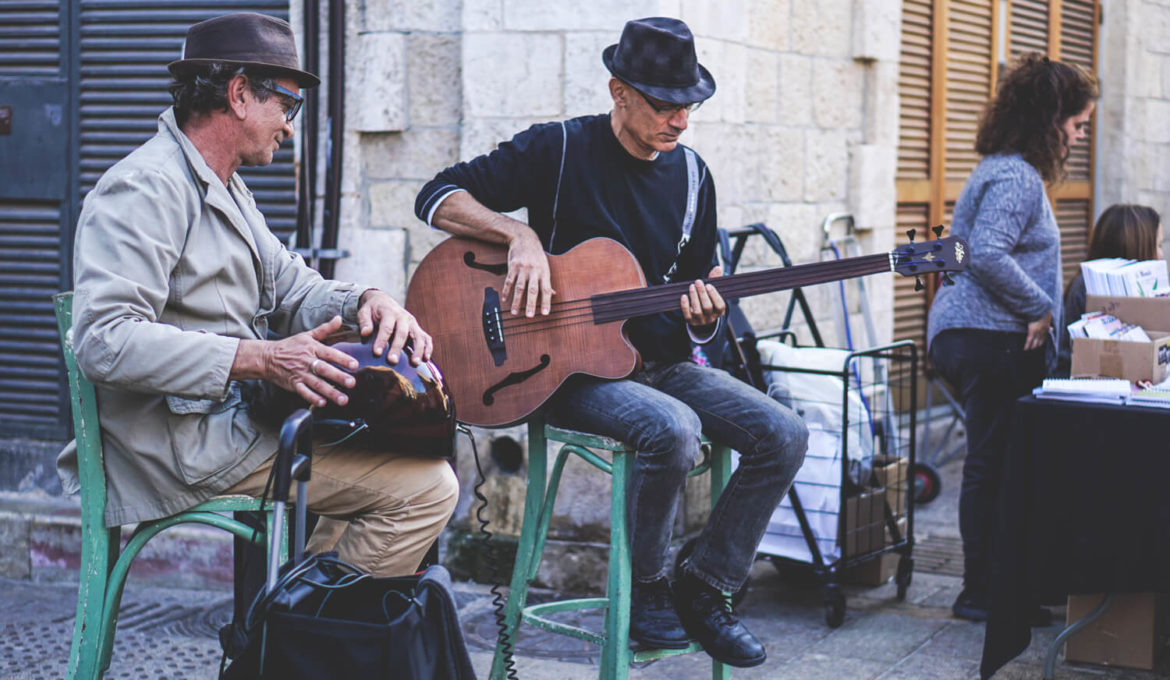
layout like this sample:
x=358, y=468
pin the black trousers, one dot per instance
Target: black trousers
x=989, y=370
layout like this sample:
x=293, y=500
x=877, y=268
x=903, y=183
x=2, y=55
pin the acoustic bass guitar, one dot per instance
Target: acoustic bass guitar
x=501, y=367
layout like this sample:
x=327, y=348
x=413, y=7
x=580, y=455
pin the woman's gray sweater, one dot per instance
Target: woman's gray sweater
x=1014, y=275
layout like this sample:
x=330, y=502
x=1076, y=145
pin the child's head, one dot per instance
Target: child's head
x=1129, y=231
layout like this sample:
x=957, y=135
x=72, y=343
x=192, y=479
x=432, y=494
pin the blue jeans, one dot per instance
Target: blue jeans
x=661, y=411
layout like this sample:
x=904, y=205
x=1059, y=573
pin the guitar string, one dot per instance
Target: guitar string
x=620, y=305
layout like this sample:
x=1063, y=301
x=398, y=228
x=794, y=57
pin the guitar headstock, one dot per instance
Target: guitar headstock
x=942, y=255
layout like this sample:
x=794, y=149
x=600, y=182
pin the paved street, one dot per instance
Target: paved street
x=170, y=633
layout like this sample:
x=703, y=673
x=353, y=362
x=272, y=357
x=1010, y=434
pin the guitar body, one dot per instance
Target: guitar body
x=496, y=379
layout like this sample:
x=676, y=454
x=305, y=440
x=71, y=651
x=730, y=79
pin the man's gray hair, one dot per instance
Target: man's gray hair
x=206, y=90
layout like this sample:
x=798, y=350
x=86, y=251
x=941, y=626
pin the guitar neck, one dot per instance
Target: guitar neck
x=626, y=304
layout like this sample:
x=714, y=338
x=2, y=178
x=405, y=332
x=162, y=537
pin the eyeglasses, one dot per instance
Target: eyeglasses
x=663, y=108
x=295, y=107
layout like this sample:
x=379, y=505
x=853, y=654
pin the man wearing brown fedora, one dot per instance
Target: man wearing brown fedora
x=624, y=175
x=178, y=283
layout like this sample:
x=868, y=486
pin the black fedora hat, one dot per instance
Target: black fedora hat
x=262, y=42
x=657, y=56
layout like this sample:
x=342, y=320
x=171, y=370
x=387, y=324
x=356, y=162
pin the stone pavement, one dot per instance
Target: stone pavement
x=170, y=633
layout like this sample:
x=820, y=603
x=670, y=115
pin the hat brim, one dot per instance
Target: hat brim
x=305, y=79
x=700, y=91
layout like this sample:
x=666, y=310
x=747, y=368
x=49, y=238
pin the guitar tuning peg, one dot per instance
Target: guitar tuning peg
x=910, y=234
x=947, y=280
x=938, y=230
x=918, y=284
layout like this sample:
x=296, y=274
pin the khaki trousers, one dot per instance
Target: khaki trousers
x=380, y=511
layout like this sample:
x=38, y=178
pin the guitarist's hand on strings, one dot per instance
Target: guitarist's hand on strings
x=528, y=274
x=702, y=305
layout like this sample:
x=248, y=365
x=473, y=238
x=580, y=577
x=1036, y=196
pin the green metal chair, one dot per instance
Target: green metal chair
x=616, y=655
x=104, y=562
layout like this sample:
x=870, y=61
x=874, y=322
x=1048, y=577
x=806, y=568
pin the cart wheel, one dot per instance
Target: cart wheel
x=927, y=483
x=905, y=575
x=685, y=551
x=834, y=605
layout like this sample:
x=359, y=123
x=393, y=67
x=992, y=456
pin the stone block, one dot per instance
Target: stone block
x=877, y=30
x=377, y=258
x=795, y=89
x=434, y=79
x=483, y=135
x=782, y=164
x=881, y=103
x=376, y=86
x=826, y=166
x=727, y=62
x=768, y=23
x=822, y=28
x=798, y=224
x=511, y=74
x=417, y=153
x=483, y=15
x=409, y=15
x=1157, y=125
x=837, y=93
x=391, y=203
x=14, y=559
x=762, y=87
x=586, y=78
x=598, y=15
x=871, y=186
x=724, y=20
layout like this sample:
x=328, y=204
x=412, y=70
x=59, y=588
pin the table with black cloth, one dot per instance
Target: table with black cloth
x=1085, y=508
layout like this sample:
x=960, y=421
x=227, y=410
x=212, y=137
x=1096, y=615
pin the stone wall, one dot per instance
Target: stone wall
x=1133, y=147
x=803, y=124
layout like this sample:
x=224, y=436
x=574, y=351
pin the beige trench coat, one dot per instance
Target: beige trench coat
x=171, y=270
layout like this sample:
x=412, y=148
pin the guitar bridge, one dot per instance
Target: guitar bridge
x=493, y=327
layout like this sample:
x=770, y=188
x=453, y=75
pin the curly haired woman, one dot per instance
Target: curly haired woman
x=990, y=334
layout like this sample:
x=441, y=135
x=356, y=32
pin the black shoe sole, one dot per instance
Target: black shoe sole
x=739, y=663
x=659, y=644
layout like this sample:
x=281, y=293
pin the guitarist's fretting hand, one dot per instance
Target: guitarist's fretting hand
x=703, y=305
x=528, y=274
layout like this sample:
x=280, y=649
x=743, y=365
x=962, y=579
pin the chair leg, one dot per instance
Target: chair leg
x=615, y=652
x=99, y=549
x=720, y=473
x=525, y=551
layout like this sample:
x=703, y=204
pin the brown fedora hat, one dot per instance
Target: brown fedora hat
x=262, y=42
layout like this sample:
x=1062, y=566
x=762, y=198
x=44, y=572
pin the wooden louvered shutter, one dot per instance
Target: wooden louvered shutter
x=948, y=70
x=125, y=48
x=915, y=154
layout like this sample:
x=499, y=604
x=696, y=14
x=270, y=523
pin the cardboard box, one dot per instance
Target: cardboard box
x=875, y=572
x=1128, y=634
x=893, y=473
x=863, y=526
x=1130, y=360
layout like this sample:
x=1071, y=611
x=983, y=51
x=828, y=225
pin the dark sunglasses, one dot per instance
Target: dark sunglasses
x=294, y=108
x=665, y=108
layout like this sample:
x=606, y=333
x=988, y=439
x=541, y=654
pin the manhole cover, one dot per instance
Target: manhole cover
x=481, y=631
x=939, y=555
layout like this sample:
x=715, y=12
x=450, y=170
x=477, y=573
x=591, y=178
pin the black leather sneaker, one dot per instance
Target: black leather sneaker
x=653, y=621
x=706, y=615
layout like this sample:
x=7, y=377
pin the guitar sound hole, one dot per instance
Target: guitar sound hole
x=499, y=269
x=515, y=378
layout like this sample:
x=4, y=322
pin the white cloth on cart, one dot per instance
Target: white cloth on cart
x=820, y=400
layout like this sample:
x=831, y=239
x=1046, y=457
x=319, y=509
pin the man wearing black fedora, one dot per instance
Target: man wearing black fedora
x=624, y=175
x=178, y=282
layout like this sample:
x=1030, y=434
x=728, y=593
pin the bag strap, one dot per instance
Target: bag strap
x=692, y=207
x=560, y=174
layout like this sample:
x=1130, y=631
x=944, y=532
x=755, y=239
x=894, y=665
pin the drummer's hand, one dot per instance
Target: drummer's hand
x=300, y=363
x=395, y=325
x=528, y=274
x=702, y=305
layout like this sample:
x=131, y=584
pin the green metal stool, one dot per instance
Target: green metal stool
x=616, y=655
x=104, y=563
